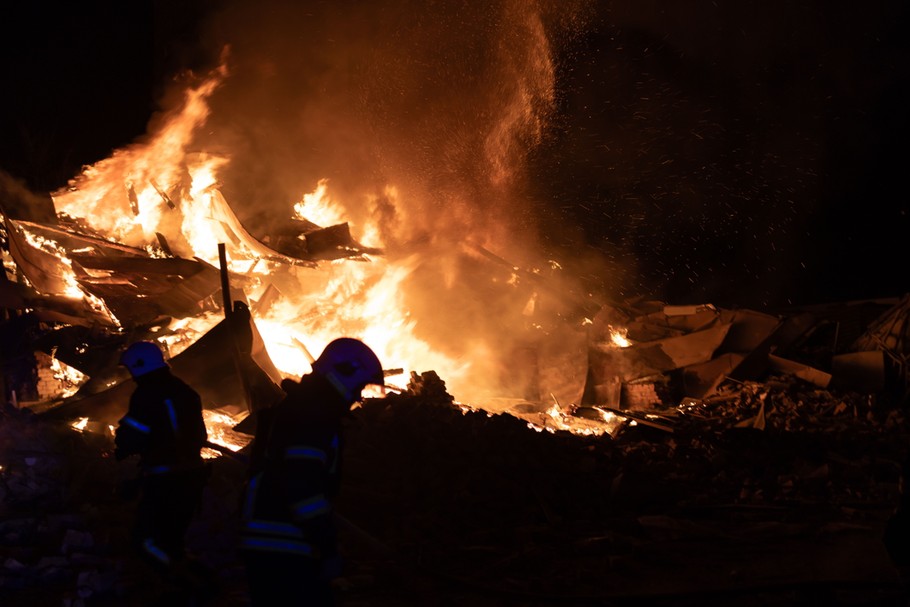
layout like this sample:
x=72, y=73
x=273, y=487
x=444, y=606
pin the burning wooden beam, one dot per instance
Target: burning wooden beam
x=225, y=281
x=164, y=196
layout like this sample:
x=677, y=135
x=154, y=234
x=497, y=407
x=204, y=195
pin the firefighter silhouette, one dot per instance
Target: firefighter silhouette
x=288, y=537
x=165, y=429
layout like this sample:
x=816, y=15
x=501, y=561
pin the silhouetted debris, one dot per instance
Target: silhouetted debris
x=469, y=505
x=480, y=501
x=428, y=388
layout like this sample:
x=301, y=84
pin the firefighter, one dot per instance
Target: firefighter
x=165, y=429
x=288, y=536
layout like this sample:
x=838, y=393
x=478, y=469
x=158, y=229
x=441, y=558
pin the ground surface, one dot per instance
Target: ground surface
x=442, y=507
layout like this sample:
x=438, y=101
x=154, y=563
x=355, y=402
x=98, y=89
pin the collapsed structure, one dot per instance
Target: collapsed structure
x=685, y=392
x=127, y=252
x=653, y=407
x=72, y=299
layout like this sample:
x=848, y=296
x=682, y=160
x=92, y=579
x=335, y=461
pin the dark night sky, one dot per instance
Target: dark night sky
x=747, y=153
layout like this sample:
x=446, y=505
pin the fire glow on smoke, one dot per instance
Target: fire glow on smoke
x=344, y=297
x=446, y=176
x=158, y=187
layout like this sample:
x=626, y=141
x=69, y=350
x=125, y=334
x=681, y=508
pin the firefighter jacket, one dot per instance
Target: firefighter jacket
x=294, y=472
x=163, y=425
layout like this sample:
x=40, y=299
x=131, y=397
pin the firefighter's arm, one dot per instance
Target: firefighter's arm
x=132, y=434
x=310, y=508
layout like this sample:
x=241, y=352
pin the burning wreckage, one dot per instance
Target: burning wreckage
x=609, y=412
x=144, y=245
x=617, y=388
x=73, y=299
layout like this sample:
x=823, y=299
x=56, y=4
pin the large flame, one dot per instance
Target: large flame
x=158, y=187
x=126, y=196
x=446, y=174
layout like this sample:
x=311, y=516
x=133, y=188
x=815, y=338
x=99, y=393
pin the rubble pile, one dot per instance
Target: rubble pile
x=484, y=504
x=58, y=532
x=783, y=403
x=66, y=513
x=442, y=503
x=639, y=448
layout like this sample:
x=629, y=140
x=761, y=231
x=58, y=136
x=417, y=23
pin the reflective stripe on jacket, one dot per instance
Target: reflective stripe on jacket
x=294, y=465
x=163, y=424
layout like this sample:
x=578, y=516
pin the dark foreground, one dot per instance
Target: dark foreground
x=441, y=507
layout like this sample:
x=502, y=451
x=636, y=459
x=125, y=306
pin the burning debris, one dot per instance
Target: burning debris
x=597, y=426
x=146, y=246
x=75, y=298
x=656, y=414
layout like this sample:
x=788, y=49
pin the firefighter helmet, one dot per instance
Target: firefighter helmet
x=142, y=357
x=350, y=365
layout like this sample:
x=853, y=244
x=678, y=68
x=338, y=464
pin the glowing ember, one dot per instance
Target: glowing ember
x=619, y=337
x=220, y=430
x=72, y=287
x=555, y=419
x=68, y=377
x=182, y=333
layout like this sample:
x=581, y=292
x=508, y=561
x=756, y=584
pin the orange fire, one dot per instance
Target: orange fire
x=619, y=337
x=161, y=187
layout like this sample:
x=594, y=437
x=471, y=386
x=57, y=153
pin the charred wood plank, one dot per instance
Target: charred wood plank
x=45, y=271
x=334, y=242
x=133, y=198
x=225, y=282
x=167, y=199
x=755, y=364
x=163, y=243
x=176, y=266
x=70, y=239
